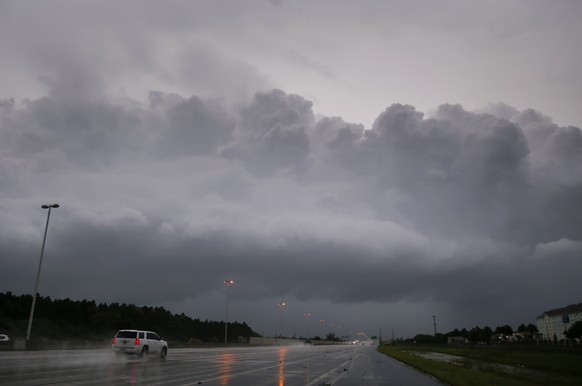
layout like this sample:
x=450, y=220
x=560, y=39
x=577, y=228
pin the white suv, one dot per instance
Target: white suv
x=139, y=342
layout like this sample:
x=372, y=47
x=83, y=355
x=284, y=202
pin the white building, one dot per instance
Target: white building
x=552, y=324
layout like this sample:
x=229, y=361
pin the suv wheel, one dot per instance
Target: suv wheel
x=164, y=352
x=144, y=352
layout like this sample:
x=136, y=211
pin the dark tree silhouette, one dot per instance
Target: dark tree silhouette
x=575, y=331
x=86, y=320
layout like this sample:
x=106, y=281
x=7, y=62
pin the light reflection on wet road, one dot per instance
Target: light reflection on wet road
x=282, y=352
x=241, y=366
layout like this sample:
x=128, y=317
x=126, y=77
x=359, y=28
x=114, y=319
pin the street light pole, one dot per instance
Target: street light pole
x=49, y=207
x=282, y=307
x=227, y=283
x=307, y=315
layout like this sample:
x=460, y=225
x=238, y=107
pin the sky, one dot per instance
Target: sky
x=380, y=165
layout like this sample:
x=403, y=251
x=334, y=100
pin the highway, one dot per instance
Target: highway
x=341, y=365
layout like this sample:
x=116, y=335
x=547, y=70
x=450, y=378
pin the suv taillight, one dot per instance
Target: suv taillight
x=137, y=341
x=114, y=340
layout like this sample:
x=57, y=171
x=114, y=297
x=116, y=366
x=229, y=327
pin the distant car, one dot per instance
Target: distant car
x=141, y=343
x=5, y=340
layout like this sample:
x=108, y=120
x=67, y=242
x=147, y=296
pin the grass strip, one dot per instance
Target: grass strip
x=479, y=369
x=539, y=358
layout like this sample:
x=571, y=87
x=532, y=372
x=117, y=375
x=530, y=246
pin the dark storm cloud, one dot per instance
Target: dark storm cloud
x=454, y=147
x=143, y=120
x=462, y=208
x=196, y=126
x=68, y=128
x=478, y=211
x=273, y=132
x=457, y=173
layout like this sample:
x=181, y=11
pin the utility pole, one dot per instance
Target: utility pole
x=434, y=322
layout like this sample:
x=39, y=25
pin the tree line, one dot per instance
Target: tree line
x=502, y=334
x=486, y=335
x=66, y=319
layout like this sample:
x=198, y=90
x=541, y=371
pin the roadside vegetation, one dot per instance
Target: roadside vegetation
x=67, y=321
x=499, y=364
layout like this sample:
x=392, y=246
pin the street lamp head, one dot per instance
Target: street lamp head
x=50, y=206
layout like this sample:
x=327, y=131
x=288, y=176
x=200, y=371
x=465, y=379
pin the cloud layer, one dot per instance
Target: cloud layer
x=162, y=200
x=295, y=147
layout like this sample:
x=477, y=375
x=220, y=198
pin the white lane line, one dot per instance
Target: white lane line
x=229, y=375
x=329, y=374
x=234, y=373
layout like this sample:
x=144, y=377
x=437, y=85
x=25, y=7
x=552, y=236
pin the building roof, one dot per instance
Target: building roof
x=571, y=309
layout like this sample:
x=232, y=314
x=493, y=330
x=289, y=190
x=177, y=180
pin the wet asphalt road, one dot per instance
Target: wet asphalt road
x=249, y=366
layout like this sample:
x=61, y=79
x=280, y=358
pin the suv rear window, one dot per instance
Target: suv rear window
x=127, y=334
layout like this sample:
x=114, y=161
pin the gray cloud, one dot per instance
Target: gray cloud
x=272, y=134
x=196, y=127
x=452, y=209
x=191, y=143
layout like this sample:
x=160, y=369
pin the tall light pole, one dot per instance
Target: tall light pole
x=282, y=306
x=49, y=207
x=227, y=283
x=307, y=315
